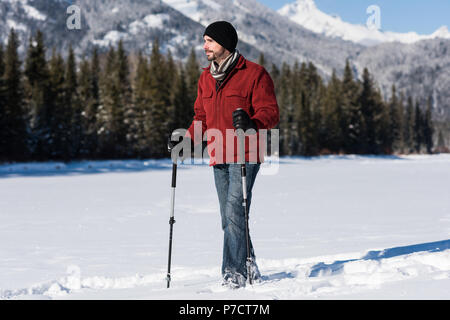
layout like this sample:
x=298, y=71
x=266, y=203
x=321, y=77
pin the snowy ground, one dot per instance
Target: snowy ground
x=323, y=228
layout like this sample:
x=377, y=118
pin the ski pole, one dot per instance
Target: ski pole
x=172, y=220
x=241, y=136
x=172, y=207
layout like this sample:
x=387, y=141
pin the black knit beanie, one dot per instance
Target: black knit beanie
x=223, y=33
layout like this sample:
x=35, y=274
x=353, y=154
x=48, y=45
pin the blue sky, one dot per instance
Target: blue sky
x=421, y=16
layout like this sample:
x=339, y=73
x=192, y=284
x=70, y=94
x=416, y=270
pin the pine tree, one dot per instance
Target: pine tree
x=182, y=108
x=304, y=127
x=13, y=140
x=369, y=110
x=314, y=101
x=418, y=128
x=297, y=116
x=114, y=112
x=409, y=126
x=308, y=114
x=2, y=63
x=262, y=60
x=73, y=107
x=428, y=127
x=170, y=83
x=60, y=117
x=441, y=146
x=160, y=101
x=275, y=75
x=141, y=100
x=3, y=154
x=109, y=99
x=331, y=135
x=294, y=83
x=38, y=97
x=385, y=139
x=376, y=136
x=88, y=89
x=286, y=110
x=126, y=114
x=352, y=120
x=396, y=116
x=84, y=92
x=93, y=109
x=192, y=74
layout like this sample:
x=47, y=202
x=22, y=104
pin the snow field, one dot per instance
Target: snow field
x=344, y=227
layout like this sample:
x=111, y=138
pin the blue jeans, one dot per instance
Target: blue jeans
x=228, y=183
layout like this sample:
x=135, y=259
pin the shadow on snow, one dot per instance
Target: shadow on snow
x=278, y=276
x=337, y=266
x=45, y=169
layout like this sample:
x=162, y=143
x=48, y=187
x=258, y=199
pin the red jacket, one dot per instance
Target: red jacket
x=247, y=86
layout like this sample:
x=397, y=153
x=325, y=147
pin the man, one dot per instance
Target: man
x=232, y=93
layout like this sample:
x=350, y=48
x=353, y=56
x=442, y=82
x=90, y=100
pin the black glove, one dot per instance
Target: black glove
x=175, y=139
x=241, y=120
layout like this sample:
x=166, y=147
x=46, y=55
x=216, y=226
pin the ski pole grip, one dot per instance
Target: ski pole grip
x=241, y=139
x=174, y=175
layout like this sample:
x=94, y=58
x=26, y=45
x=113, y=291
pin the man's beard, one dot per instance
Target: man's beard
x=211, y=58
x=215, y=55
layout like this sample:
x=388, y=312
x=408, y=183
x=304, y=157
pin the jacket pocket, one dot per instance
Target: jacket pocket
x=235, y=99
x=236, y=94
x=208, y=105
x=207, y=100
x=207, y=94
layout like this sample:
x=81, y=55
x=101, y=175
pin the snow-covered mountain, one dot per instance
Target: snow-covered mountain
x=179, y=25
x=103, y=23
x=278, y=38
x=420, y=68
x=306, y=14
x=26, y=16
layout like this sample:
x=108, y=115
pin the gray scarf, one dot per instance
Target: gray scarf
x=219, y=72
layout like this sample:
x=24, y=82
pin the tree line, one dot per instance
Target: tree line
x=117, y=105
x=100, y=108
x=346, y=116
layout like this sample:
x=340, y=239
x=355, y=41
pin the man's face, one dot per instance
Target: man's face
x=213, y=50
